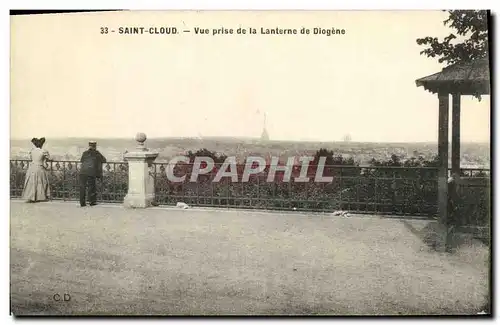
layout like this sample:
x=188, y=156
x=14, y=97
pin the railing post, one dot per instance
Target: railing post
x=141, y=192
x=443, y=166
x=455, y=135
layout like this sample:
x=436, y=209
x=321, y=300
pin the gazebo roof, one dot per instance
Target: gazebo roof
x=466, y=78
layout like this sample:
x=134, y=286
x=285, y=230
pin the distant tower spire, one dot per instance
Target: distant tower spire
x=264, y=136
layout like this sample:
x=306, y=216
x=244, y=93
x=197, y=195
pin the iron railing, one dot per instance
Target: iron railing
x=64, y=181
x=357, y=189
x=362, y=189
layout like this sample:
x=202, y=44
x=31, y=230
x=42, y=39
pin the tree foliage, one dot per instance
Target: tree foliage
x=332, y=159
x=469, y=42
x=218, y=158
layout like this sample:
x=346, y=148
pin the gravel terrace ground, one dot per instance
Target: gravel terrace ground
x=166, y=261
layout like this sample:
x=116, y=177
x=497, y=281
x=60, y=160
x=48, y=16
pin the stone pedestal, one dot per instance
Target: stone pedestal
x=141, y=192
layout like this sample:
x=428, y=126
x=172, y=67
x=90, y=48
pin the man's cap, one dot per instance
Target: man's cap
x=92, y=142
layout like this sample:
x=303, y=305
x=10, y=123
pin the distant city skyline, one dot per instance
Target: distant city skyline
x=68, y=80
x=131, y=138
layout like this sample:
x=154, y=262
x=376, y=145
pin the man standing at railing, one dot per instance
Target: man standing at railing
x=90, y=170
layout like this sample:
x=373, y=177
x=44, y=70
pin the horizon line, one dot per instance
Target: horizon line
x=246, y=138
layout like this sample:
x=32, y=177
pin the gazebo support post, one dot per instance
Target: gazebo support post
x=443, y=165
x=455, y=135
x=468, y=77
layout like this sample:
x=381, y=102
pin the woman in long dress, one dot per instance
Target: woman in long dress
x=36, y=183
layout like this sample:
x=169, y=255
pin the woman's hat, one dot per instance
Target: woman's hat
x=38, y=142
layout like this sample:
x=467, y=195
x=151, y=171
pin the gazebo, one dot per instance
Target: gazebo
x=465, y=78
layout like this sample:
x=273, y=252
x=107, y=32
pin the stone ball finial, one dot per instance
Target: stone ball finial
x=140, y=137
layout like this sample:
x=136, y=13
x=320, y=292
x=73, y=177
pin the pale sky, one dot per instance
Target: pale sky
x=68, y=80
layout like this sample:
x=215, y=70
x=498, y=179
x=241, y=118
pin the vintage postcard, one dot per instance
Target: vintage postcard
x=331, y=163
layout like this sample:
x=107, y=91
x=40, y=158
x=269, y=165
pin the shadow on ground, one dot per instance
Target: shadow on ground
x=432, y=233
x=475, y=250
